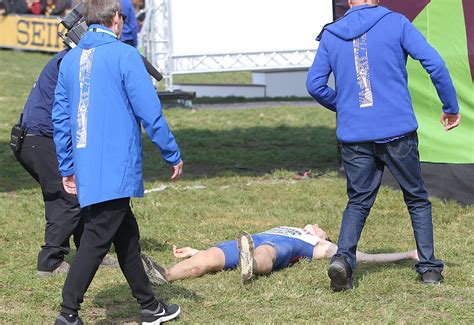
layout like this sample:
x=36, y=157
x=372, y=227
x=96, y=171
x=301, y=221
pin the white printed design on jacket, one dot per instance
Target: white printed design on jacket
x=85, y=68
x=361, y=59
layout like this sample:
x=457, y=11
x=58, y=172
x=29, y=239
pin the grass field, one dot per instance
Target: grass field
x=239, y=168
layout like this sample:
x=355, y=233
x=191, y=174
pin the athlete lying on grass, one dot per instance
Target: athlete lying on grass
x=260, y=253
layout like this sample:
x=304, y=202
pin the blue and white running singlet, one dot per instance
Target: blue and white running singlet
x=291, y=245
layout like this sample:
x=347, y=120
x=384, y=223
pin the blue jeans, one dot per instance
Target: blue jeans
x=364, y=164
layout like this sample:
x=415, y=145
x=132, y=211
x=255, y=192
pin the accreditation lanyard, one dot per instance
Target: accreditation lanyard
x=105, y=31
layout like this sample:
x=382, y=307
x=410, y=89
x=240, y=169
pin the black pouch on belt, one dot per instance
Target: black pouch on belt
x=17, y=135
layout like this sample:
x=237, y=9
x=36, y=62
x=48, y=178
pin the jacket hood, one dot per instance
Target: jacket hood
x=94, y=39
x=355, y=22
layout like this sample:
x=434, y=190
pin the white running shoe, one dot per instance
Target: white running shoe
x=155, y=272
x=246, y=248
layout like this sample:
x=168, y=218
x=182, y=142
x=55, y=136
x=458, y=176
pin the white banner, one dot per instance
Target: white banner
x=242, y=26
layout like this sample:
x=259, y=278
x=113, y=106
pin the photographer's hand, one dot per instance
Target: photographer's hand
x=69, y=183
x=177, y=170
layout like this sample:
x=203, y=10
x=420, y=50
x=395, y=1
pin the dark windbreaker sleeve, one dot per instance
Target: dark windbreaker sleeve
x=62, y=129
x=317, y=79
x=415, y=44
x=146, y=105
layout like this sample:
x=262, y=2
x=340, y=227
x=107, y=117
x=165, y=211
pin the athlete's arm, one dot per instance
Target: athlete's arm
x=326, y=249
x=386, y=257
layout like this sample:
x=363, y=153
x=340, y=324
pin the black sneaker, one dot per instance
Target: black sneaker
x=68, y=320
x=432, y=276
x=155, y=272
x=163, y=313
x=340, y=273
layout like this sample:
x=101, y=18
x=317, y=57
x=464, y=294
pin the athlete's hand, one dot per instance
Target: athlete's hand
x=177, y=170
x=184, y=252
x=414, y=255
x=69, y=183
x=450, y=121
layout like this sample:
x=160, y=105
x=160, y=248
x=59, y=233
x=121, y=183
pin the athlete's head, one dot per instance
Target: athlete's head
x=316, y=230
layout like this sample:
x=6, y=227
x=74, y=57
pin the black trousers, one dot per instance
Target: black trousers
x=62, y=212
x=107, y=222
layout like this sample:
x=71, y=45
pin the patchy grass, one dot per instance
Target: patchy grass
x=239, y=167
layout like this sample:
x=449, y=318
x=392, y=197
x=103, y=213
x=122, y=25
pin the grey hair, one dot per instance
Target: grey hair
x=101, y=11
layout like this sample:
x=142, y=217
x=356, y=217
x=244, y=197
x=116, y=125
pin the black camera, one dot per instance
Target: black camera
x=76, y=27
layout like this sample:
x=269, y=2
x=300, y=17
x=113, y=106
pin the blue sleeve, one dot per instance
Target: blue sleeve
x=62, y=129
x=133, y=24
x=147, y=107
x=415, y=44
x=317, y=80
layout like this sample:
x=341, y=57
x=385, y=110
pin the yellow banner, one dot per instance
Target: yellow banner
x=25, y=32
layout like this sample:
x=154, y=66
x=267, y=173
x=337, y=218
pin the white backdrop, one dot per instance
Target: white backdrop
x=242, y=26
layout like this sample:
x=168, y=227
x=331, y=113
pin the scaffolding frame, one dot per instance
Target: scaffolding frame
x=158, y=49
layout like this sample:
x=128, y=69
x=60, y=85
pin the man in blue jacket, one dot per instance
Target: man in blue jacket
x=130, y=26
x=103, y=96
x=367, y=51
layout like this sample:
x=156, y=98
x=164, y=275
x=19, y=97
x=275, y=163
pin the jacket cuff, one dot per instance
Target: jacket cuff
x=451, y=110
x=67, y=173
x=175, y=159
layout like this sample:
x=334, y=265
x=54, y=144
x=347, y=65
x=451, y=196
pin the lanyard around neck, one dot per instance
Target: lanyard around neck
x=100, y=30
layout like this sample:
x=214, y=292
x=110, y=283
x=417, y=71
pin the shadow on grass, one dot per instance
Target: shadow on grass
x=121, y=307
x=151, y=244
x=364, y=269
x=253, y=151
x=146, y=244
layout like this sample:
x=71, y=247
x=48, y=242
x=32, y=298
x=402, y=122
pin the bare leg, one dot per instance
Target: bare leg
x=203, y=262
x=264, y=259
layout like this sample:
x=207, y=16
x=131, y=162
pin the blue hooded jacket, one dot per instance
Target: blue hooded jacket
x=103, y=95
x=130, y=27
x=367, y=52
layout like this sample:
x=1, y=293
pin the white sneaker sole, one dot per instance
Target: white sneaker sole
x=246, y=248
x=63, y=268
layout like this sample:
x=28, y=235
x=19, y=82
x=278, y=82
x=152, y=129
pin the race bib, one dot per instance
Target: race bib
x=292, y=232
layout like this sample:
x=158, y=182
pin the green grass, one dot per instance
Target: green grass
x=239, y=167
x=240, y=77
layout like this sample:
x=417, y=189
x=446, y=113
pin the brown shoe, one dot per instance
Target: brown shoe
x=109, y=261
x=61, y=269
